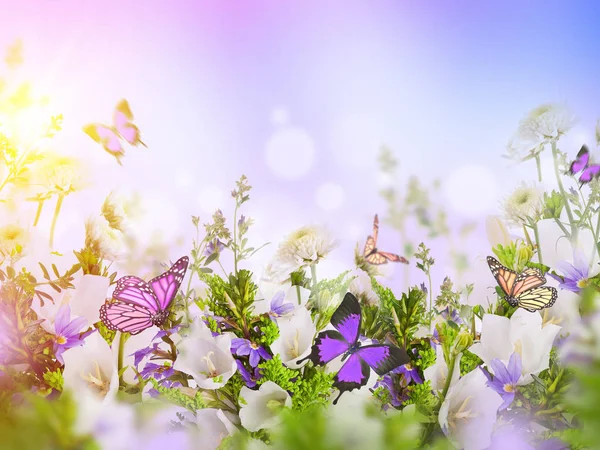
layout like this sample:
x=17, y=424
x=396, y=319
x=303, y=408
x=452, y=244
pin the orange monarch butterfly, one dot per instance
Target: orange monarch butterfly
x=523, y=289
x=374, y=256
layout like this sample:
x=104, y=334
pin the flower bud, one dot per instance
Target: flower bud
x=463, y=341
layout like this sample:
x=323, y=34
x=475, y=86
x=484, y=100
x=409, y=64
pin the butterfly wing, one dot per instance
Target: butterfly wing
x=125, y=317
x=376, y=258
x=369, y=247
x=589, y=173
x=375, y=230
x=135, y=291
x=165, y=286
x=346, y=319
x=107, y=137
x=328, y=345
x=505, y=277
x=393, y=257
x=123, y=119
x=353, y=375
x=383, y=358
x=538, y=298
x=583, y=157
x=528, y=279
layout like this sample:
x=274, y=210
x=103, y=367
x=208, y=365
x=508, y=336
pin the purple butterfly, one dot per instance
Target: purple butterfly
x=355, y=372
x=140, y=305
x=111, y=136
x=582, y=163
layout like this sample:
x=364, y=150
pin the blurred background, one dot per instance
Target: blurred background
x=301, y=97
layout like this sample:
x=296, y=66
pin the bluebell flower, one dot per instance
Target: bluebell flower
x=249, y=378
x=67, y=332
x=396, y=394
x=243, y=347
x=214, y=246
x=278, y=308
x=409, y=372
x=505, y=379
x=575, y=276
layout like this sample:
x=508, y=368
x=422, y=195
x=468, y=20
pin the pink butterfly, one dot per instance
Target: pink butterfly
x=111, y=137
x=138, y=305
x=582, y=163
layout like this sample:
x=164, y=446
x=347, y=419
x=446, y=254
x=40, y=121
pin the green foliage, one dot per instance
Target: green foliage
x=54, y=379
x=216, y=294
x=422, y=396
x=274, y=370
x=469, y=362
x=427, y=356
x=425, y=261
x=447, y=297
x=553, y=205
x=40, y=423
x=239, y=294
x=107, y=335
x=269, y=331
x=402, y=316
x=314, y=387
x=175, y=396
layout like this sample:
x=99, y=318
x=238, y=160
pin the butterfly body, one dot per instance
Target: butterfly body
x=582, y=164
x=373, y=255
x=358, y=359
x=523, y=289
x=111, y=136
x=138, y=305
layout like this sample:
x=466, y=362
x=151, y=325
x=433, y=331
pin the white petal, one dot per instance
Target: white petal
x=90, y=294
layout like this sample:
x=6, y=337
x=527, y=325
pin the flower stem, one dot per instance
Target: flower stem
x=537, y=242
x=429, y=429
x=299, y=295
x=235, y=255
x=120, y=359
x=38, y=212
x=538, y=163
x=574, y=229
x=313, y=275
x=430, y=291
x=59, y=203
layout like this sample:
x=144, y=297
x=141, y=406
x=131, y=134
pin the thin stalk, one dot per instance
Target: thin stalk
x=121, y=357
x=235, y=256
x=538, y=163
x=313, y=275
x=299, y=295
x=574, y=230
x=431, y=425
x=562, y=227
x=537, y=242
x=222, y=268
x=38, y=212
x=430, y=291
x=59, y=203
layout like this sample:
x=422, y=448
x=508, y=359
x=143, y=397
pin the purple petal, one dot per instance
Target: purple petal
x=487, y=375
x=581, y=263
x=277, y=300
x=254, y=358
x=500, y=371
x=508, y=398
x=58, y=354
x=570, y=285
x=238, y=342
x=569, y=271
x=75, y=326
x=514, y=367
x=62, y=318
x=263, y=353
